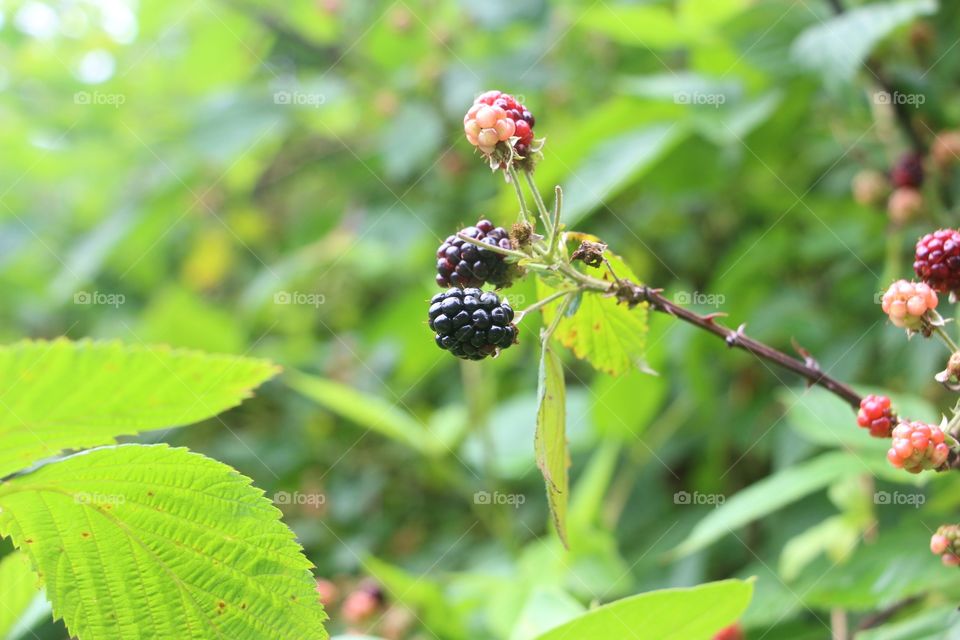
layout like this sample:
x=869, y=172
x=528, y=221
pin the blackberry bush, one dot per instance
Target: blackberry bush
x=472, y=324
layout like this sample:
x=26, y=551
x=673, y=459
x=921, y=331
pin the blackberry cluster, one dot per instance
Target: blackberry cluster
x=462, y=264
x=937, y=260
x=470, y=323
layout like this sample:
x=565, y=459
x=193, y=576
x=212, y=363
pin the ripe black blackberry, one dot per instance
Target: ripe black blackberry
x=471, y=324
x=462, y=264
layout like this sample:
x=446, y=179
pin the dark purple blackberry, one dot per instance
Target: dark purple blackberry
x=470, y=323
x=908, y=171
x=461, y=264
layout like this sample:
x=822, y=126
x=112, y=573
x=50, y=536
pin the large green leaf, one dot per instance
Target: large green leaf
x=550, y=441
x=71, y=395
x=609, y=335
x=768, y=495
x=838, y=46
x=138, y=541
x=670, y=614
x=18, y=586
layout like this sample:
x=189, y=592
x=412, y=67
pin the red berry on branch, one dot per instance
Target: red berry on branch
x=875, y=414
x=917, y=446
x=937, y=260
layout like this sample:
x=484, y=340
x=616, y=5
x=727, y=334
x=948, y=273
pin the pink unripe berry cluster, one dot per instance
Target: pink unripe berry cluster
x=486, y=125
x=906, y=303
x=917, y=446
x=876, y=415
x=944, y=544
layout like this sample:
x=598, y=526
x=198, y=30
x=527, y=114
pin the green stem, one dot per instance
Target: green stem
x=546, y=335
x=515, y=181
x=541, y=206
x=492, y=247
x=542, y=303
x=555, y=223
x=947, y=340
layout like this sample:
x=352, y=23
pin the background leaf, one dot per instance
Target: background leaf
x=838, y=46
x=665, y=615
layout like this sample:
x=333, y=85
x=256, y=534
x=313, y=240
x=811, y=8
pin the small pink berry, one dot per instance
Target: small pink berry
x=939, y=543
x=950, y=560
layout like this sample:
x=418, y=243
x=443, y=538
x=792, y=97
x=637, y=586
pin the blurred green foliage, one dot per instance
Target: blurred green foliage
x=273, y=179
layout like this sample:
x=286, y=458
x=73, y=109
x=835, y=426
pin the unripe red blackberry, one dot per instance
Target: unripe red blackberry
x=496, y=118
x=918, y=446
x=908, y=171
x=906, y=303
x=876, y=415
x=463, y=264
x=870, y=187
x=946, y=149
x=944, y=543
x=937, y=260
x=905, y=204
x=472, y=324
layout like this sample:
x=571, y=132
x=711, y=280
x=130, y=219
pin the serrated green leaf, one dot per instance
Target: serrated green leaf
x=838, y=46
x=610, y=336
x=768, y=495
x=19, y=587
x=669, y=614
x=71, y=395
x=139, y=541
x=550, y=441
